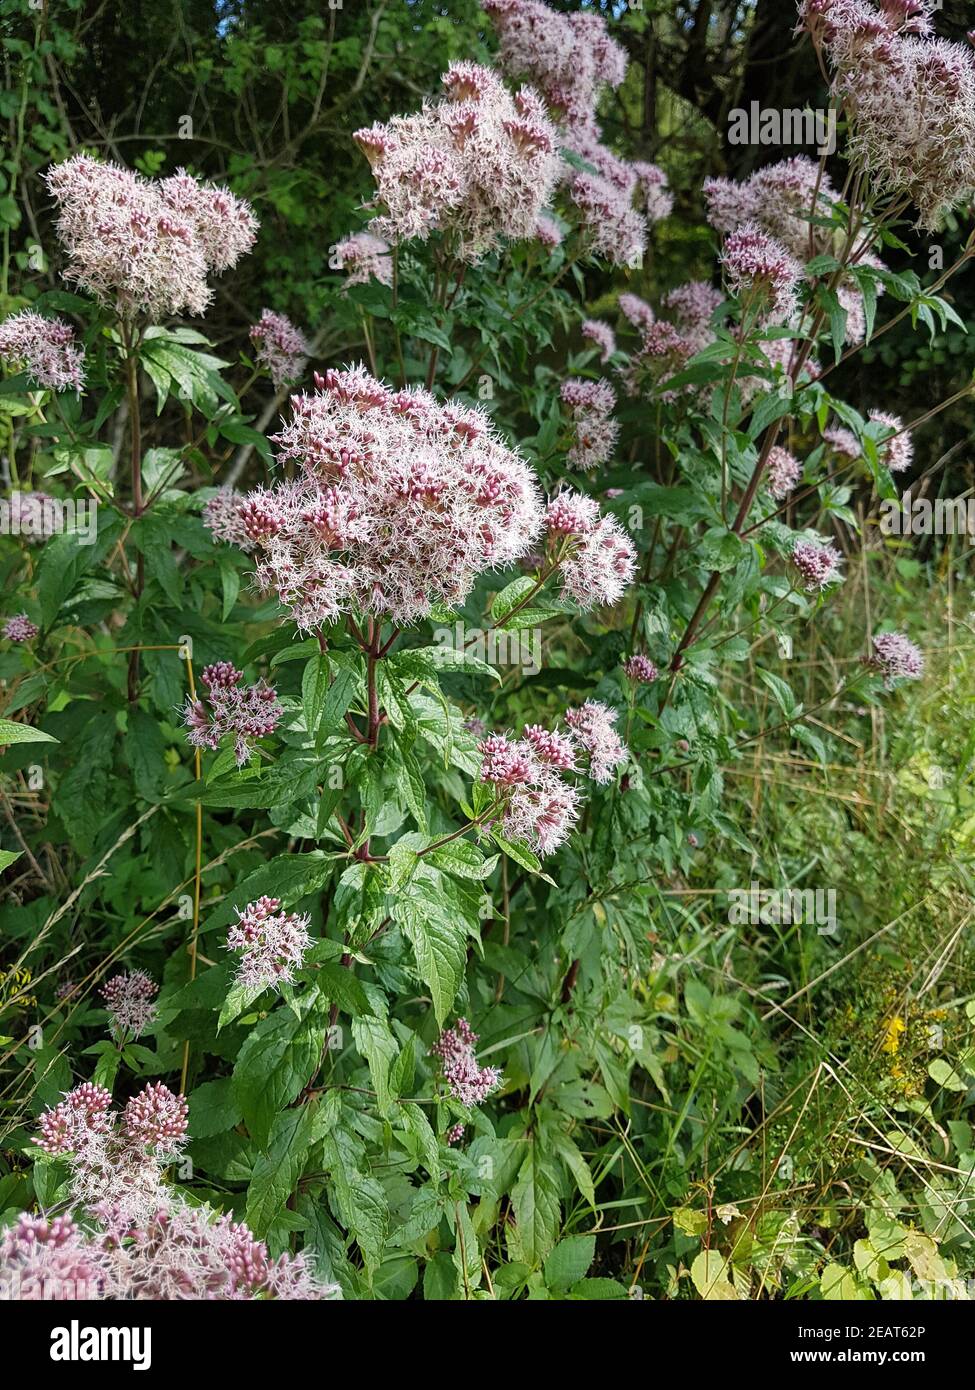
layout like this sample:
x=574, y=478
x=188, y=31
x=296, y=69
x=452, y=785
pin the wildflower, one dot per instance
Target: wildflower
x=282, y=349
x=636, y=311
x=272, y=944
x=571, y=514
x=640, y=668
x=911, y=101
x=34, y=515
x=761, y=270
x=455, y=1133
x=466, y=1081
x=549, y=233
x=569, y=57
x=189, y=1252
x=602, y=335
x=245, y=712
x=51, y=1259
x=365, y=257
x=596, y=432
x=19, y=628
x=592, y=726
x=400, y=502
x=222, y=516
x=128, y=998
x=601, y=561
x=146, y=245
x=551, y=747
x=897, y=449
x=896, y=658
x=46, y=349
x=141, y=1239
x=784, y=471
x=614, y=228
x=691, y=306
x=843, y=442
x=70, y=1125
x=156, y=1119
x=538, y=806
x=818, y=565
x=664, y=352
x=481, y=163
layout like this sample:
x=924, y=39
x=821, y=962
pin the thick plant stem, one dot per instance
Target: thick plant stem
x=135, y=464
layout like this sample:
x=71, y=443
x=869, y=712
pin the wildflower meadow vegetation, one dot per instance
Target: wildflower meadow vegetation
x=487, y=793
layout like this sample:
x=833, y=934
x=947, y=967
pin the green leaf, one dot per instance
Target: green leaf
x=569, y=1261
x=511, y=596
x=440, y=948
x=10, y=732
x=535, y=1201
x=213, y=1109
x=277, y=1060
x=277, y=1172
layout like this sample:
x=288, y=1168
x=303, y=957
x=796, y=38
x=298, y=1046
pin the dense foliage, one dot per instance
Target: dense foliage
x=486, y=803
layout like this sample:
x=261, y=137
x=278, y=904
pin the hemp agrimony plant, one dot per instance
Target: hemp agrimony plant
x=374, y=911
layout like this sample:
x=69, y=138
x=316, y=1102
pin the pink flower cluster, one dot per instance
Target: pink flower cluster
x=600, y=333
x=896, y=449
x=636, y=311
x=664, y=352
x=272, y=944
x=784, y=472
x=155, y=1119
x=843, y=442
x=19, y=628
x=910, y=98
x=604, y=196
x=146, y=245
x=640, y=668
x=591, y=404
x=691, y=307
x=51, y=1259
x=783, y=200
x=244, y=712
x=818, y=565
x=466, y=1081
x=600, y=562
x=180, y=1252
x=282, y=349
x=480, y=164
x=141, y=1240
x=34, y=515
x=593, y=728
x=365, y=257
x=571, y=58
x=400, y=503
x=45, y=348
x=71, y=1125
x=896, y=658
x=762, y=272
x=549, y=233
x=84, y=1125
x=538, y=805
x=128, y=998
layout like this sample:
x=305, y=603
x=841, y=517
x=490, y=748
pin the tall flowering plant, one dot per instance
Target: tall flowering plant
x=386, y=906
